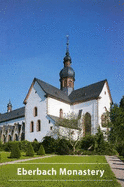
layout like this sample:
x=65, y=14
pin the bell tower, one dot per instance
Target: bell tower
x=9, y=106
x=67, y=74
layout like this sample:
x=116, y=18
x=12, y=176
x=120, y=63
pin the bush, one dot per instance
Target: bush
x=88, y=142
x=1, y=146
x=120, y=148
x=41, y=150
x=35, y=145
x=63, y=147
x=49, y=144
x=29, y=151
x=15, y=151
x=23, y=145
x=8, y=146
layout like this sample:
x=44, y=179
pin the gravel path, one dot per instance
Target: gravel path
x=15, y=161
x=117, y=167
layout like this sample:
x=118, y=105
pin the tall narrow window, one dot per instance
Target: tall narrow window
x=35, y=111
x=61, y=113
x=87, y=123
x=38, y=125
x=32, y=126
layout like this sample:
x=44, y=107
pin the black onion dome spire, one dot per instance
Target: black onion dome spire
x=67, y=55
x=67, y=71
x=67, y=74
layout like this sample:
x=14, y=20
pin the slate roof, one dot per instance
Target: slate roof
x=83, y=94
x=14, y=114
x=87, y=93
x=53, y=91
x=54, y=118
x=80, y=95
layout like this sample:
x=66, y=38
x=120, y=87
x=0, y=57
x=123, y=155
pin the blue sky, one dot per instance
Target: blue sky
x=33, y=44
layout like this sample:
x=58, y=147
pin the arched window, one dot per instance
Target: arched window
x=35, y=111
x=32, y=126
x=4, y=139
x=70, y=83
x=22, y=136
x=65, y=83
x=61, y=113
x=9, y=138
x=105, y=119
x=16, y=137
x=38, y=125
x=87, y=123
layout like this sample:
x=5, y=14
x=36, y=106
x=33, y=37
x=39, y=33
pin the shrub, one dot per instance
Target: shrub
x=23, y=145
x=41, y=150
x=63, y=147
x=15, y=151
x=8, y=146
x=35, y=145
x=1, y=146
x=29, y=151
x=120, y=148
x=88, y=142
x=49, y=144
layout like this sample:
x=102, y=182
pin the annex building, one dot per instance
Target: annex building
x=45, y=104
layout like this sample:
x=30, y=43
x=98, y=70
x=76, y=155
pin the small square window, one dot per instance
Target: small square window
x=51, y=128
x=49, y=121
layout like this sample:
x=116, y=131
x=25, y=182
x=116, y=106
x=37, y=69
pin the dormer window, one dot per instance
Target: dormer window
x=35, y=111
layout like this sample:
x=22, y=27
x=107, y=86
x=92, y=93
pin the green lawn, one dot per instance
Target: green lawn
x=4, y=156
x=89, y=165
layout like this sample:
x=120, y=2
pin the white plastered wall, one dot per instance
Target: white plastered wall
x=36, y=99
x=104, y=103
x=54, y=107
x=90, y=107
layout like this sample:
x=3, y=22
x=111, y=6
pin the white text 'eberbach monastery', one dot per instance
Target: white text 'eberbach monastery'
x=45, y=104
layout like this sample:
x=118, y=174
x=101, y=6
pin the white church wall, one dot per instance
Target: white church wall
x=90, y=107
x=36, y=99
x=54, y=107
x=104, y=103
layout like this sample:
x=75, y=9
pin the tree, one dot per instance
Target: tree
x=70, y=129
x=122, y=103
x=116, y=133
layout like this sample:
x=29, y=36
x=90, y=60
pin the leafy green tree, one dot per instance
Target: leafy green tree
x=122, y=103
x=116, y=133
x=70, y=124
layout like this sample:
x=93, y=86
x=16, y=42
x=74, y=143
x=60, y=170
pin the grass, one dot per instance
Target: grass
x=9, y=172
x=4, y=156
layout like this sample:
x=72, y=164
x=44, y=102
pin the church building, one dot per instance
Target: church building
x=45, y=104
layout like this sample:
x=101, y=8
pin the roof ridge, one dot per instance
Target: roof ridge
x=91, y=84
x=12, y=110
